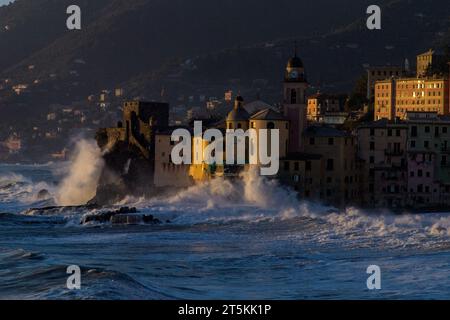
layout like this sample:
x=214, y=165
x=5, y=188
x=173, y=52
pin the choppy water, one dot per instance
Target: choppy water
x=240, y=240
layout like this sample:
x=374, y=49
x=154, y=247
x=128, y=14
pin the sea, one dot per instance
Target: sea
x=243, y=239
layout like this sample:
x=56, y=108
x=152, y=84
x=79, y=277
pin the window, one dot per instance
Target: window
x=308, y=166
x=239, y=126
x=372, y=145
x=286, y=166
x=413, y=143
x=312, y=141
x=397, y=132
x=330, y=165
x=427, y=129
x=372, y=159
x=293, y=96
x=271, y=125
x=414, y=131
x=296, y=166
x=426, y=144
x=330, y=141
x=419, y=173
x=389, y=132
x=372, y=132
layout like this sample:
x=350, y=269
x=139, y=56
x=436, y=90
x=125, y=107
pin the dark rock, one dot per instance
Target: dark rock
x=43, y=194
x=126, y=172
x=150, y=219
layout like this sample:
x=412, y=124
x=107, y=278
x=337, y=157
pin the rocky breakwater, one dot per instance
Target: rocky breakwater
x=124, y=215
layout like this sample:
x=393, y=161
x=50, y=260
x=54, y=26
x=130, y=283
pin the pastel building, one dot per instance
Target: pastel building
x=326, y=108
x=423, y=181
x=429, y=158
x=394, y=96
x=382, y=148
x=427, y=60
x=379, y=73
x=340, y=179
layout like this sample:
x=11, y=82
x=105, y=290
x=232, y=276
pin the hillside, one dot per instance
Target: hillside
x=196, y=48
x=123, y=38
x=333, y=60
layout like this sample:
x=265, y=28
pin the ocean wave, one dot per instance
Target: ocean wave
x=40, y=279
x=16, y=188
x=254, y=199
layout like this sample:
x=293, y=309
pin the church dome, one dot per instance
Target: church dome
x=238, y=113
x=295, y=62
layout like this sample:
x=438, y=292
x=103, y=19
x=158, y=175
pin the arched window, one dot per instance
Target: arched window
x=230, y=126
x=293, y=96
x=239, y=126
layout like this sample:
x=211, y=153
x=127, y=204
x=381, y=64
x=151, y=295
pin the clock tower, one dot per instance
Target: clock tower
x=294, y=102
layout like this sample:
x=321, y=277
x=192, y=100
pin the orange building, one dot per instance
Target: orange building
x=427, y=60
x=384, y=99
x=320, y=104
x=395, y=97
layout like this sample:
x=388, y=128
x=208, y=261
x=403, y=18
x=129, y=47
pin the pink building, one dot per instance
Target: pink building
x=423, y=186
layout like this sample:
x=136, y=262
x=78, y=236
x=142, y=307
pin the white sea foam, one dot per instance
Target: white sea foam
x=254, y=199
x=80, y=184
x=18, y=188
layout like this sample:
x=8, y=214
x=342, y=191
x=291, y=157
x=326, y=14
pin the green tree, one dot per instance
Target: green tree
x=358, y=97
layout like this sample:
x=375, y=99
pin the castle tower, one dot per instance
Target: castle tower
x=294, y=103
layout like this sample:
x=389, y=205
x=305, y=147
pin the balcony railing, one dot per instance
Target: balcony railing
x=394, y=153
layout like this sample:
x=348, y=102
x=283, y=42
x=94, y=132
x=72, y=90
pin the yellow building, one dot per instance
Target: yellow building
x=238, y=118
x=321, y=104
x=384, y=99
x=380, y=73
x=269, y=119
x=424, y=61
x=394, y=98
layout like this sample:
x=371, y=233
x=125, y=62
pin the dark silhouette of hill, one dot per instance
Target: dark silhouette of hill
x=334, y=60
x=132, y=42
x=122, y=38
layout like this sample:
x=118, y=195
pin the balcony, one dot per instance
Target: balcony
x=393, y=153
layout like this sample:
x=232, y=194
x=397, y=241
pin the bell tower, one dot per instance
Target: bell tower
x=294, y=101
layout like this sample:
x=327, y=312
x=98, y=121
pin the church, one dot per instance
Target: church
x=316, y=161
